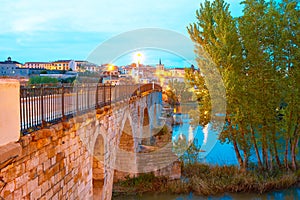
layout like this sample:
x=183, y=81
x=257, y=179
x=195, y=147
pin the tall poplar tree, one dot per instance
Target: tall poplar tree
x=257, y=55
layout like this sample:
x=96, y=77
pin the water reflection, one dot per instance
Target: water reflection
x=212, y=151
x=290, y=194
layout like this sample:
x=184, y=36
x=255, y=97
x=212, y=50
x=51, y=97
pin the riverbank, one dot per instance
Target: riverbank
x=205, y=180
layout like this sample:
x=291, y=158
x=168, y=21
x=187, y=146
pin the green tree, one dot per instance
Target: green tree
x=216, y=33
x=257, y=55
x=42, y=80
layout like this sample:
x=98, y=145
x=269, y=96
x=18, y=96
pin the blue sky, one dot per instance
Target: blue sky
x=35, y=30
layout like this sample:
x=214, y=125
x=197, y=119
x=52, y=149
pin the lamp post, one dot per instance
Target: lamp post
x=138, y=60
x=110, y=69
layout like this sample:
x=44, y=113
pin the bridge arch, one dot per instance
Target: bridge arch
x=125, y=146
x=126, y=140
x=146, y=129
x=99, y=163
x=127, y=133
x=98, y=167
x=146, y=118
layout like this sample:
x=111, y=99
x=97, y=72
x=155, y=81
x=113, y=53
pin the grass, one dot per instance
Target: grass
x=204, y=180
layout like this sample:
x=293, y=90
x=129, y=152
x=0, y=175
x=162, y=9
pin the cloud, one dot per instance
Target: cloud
x=53, y=28
x=96, y=15
x=90, y=15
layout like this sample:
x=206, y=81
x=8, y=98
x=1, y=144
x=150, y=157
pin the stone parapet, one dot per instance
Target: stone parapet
x=10, y=111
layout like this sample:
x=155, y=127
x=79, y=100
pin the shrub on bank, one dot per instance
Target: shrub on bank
x=202, y=179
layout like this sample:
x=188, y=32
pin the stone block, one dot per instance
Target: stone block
x=46, y=165
x=45, y=186
x=36, y=194
x=20, y=181
x=8, y=189
x=43, y=142
x=25, y=140
x=9, y=151
x=32, y=185
x=18, y=194
x=32, y=163
x=49, y=194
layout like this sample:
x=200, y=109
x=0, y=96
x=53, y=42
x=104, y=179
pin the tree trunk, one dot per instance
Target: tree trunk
x=286, y=162
x=275, y=149
x=288, y=141
x=295, y=144
x=245, y=163
x=255, y=148
x=271, y=160
x=265, y=150
x=294, y=160
x=265, y=156
x=237, y=153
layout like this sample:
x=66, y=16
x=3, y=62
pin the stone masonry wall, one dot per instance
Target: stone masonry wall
x=58, y=162
x=53, y=165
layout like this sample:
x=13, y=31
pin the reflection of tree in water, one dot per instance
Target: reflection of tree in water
x=180, y=144
x=188, y=152
x=178, y=92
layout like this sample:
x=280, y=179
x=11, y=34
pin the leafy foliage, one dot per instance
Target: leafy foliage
x=258, y=56
x=42, y=80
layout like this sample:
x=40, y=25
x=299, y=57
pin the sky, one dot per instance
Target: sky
x=35, y=30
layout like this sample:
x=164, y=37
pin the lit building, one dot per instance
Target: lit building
x=64, y=65
x=177, y=72
x=38, y=65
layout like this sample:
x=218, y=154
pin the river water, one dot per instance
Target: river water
x=290, y=194
x=214, y=153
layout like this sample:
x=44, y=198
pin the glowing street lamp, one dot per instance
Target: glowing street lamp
x=138, y=58
x=110, y=68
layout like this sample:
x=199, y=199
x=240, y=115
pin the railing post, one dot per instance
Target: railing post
x=97, y=92
x=63, y=102
x=110, y=94
x=88, y=96
x=116, y=99
x=77, y=104
x=42, y=106
x=21, y=120
x=104, y=95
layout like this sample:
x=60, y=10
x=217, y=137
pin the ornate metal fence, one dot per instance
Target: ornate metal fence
x=44, y=104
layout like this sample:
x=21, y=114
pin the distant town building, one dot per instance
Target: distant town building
x=64, y=65
x=38, y=65
x=110, y=71
x=12, y=68
x=177, y=72
x=82, y=66
x=159, y=66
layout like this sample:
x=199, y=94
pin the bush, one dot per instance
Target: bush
x=42, y=80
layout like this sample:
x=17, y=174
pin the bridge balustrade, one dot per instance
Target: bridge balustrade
x=46, y=104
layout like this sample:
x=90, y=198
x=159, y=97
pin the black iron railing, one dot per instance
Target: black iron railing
x=41, y=105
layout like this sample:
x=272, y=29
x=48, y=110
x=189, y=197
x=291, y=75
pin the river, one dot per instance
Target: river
x=214, y=153
x=290, y=194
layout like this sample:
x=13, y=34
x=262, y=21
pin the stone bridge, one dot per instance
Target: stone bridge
x=81, y=157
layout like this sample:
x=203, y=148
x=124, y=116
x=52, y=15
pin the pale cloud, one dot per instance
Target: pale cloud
x=39, y=29
x=78, y=15
x=97, y=15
